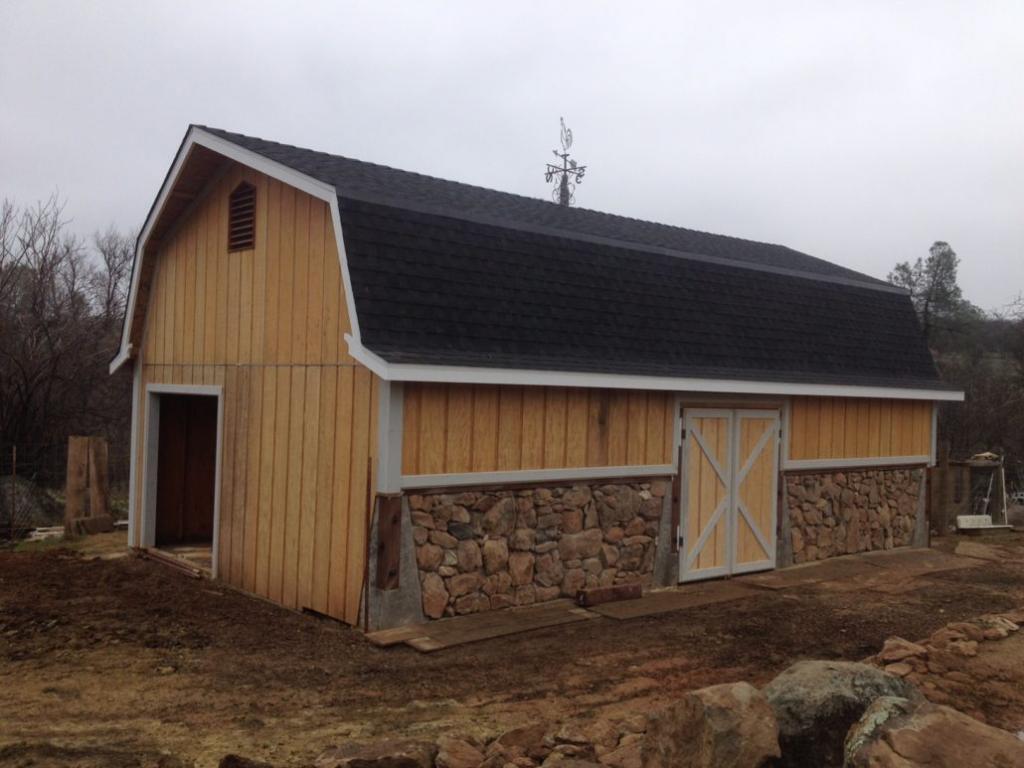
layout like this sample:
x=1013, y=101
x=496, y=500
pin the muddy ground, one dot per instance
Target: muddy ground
x=125, y=662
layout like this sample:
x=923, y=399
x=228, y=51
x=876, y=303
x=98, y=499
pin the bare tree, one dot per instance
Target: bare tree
x=60, y=310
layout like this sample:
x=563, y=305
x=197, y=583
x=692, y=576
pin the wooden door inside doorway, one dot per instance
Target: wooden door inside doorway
x=186, y=469
x=729, y=506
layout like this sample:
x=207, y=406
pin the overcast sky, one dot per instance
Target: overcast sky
x=859, y=134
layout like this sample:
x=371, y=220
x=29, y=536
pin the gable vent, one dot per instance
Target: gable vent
x=242, y=217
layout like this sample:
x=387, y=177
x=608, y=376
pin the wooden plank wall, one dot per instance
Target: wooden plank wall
x=454, y=428
x=858, y=428
x=268, y=326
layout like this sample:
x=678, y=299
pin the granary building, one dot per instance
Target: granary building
x=386, y=397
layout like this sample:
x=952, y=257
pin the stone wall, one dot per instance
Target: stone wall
x=485, y=549
x=838, y=513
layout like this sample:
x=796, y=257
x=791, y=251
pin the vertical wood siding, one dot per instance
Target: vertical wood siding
x=454, y=428
x=267, y=324
x=858, y=428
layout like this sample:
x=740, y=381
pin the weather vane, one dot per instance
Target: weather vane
x=569, y=174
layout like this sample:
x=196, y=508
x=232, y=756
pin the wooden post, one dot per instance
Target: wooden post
x=99, y=485
x=942, y=479
x=77, y=477
x=14, y=489
x=389, y=540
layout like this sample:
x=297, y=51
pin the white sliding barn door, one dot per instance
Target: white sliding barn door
x=729, y=504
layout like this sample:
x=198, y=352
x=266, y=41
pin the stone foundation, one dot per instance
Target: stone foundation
x=486, y=549
x=838, y=513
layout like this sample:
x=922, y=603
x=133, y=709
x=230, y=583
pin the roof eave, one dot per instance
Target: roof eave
x=451, y=374
x=196, y=135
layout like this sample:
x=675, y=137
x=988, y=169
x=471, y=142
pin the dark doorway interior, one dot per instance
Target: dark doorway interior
x=186, y=466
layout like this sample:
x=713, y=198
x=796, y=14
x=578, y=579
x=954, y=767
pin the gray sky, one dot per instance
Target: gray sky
x=859, y=134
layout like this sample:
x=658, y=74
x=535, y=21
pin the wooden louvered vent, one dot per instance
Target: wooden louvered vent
x=242, y=218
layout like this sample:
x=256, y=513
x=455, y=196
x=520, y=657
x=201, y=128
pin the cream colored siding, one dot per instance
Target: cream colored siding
x=858, y=428
x=456, y=428
x=267, y=325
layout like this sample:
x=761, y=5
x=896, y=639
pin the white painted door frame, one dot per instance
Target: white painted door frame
x=150, y=460
x=732, y=476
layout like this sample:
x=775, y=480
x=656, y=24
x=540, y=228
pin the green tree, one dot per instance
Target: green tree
x=933, y=288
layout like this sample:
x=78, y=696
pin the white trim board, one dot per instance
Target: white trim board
x=522, y=476
x=865, y=463
x=523, y=377
x=147, y=534
x=133, y=458
x=455, y=374
x=197, y=136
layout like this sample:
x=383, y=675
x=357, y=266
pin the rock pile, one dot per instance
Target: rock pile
x=482, y=550
x=828, y=714
x=936, y=665
x=895, y=733
x=840, y=513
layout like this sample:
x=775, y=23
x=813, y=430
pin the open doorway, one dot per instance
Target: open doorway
x=181, y=477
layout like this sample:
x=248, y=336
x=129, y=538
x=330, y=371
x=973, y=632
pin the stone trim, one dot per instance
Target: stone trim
x=480, y=550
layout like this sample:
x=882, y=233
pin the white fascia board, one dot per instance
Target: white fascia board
x=256, y=161
x=524, y=377
x=123, y=356
x=523, y=476
x=864, y=463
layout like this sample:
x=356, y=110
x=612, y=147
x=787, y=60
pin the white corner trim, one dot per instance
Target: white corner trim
x=876, y=461
x=390, y=416
x=133, y=462
x=525, y=377
x=147, y=534
x=933, y=458
x=534, y=476
x=256, y=161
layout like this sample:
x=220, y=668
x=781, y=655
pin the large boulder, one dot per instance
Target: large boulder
x=724, y=726
x=899, y=733
x=816, y=702
x=379, y=754
x=458, y=753
x=238, y=761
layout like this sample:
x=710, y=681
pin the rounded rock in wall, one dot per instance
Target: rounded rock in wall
x=573, y=582
x=495, y=554
x=435, y=596
x=428, y=557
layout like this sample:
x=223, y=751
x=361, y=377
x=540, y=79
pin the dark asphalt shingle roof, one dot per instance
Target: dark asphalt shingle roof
x=451, y=274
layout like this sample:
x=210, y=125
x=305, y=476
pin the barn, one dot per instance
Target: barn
x=386, y=397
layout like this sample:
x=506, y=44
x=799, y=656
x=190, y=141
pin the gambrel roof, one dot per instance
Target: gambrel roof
x=448, y=278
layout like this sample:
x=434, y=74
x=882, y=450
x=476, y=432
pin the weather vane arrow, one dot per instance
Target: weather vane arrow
x=568, y=174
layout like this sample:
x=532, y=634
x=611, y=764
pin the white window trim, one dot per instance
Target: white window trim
x=147, y=521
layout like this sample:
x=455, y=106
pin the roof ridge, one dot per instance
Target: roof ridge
x=851, y=275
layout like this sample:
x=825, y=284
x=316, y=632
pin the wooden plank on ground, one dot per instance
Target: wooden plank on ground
x=459, y=630
x=385, y=638
x=675, y=599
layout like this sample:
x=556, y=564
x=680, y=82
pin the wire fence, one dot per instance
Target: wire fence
x=32, y=481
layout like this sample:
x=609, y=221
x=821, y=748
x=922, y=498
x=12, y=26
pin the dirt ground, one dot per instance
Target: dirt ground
x=124, y=662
